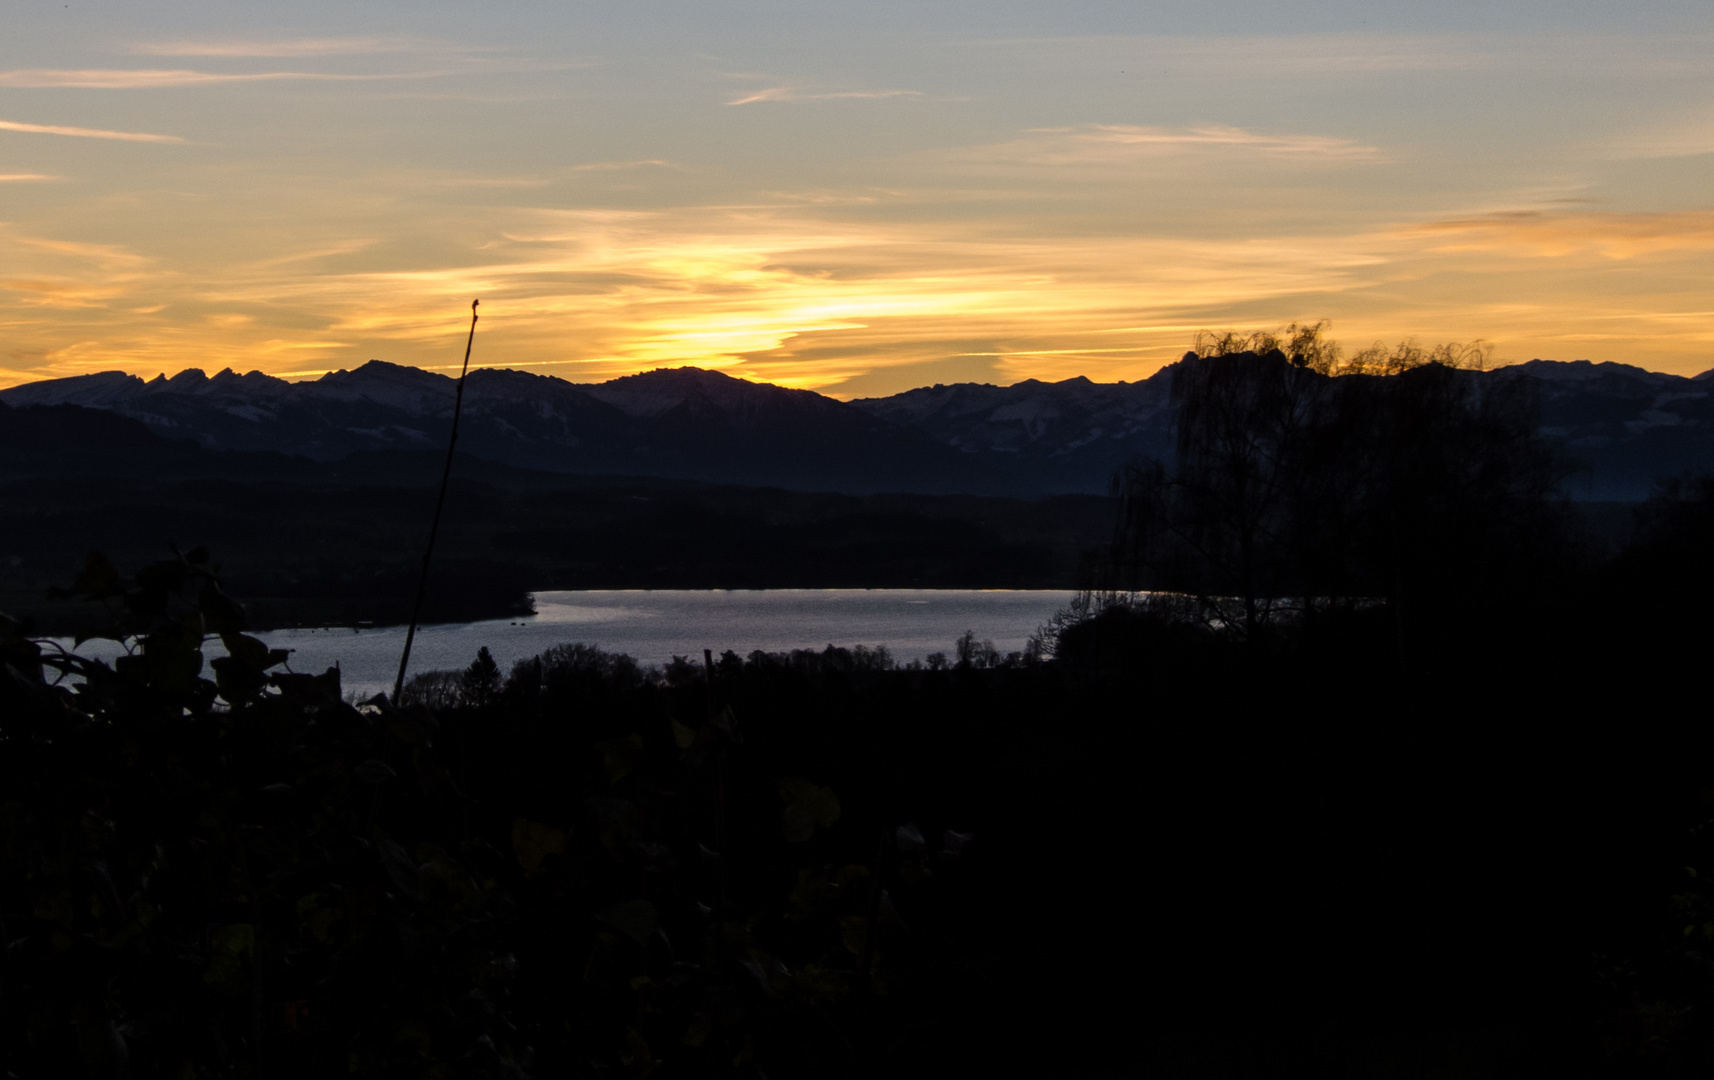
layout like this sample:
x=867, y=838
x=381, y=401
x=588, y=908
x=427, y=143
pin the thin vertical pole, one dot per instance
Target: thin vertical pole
x=439, y=504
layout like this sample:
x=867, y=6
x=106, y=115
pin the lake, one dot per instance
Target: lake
x=655, y=625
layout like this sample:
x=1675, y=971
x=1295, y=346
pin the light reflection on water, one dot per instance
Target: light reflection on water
x=655, y=625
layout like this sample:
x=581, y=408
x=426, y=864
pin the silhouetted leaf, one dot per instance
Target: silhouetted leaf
x=398, y=865
x=636, y=919
x=532, y=842
x=683, y=736
x=808, y=805
x=374, y=772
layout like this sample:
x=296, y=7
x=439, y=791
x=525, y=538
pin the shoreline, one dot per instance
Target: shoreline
x=67, y=618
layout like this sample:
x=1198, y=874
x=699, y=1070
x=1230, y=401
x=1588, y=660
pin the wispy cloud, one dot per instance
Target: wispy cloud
x=1540, y=234
x=26, y=177
x=1687, y=136
x=789, y=94
x=831, y=197
x=323, y=251
x=87, y=133
x=1248, y=57
x=106, y=256
x=151, y=78
x=341, y=46
x=1331, y=54
x=490, y=182
x=1356, y=55
x=1114, y=144
x=454, y=180
x=615, y=166
x=45, y=273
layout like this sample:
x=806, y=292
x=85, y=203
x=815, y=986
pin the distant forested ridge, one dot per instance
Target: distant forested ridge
x=317, y=544
x=1622, y=426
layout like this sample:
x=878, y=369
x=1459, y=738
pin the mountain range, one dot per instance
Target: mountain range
x=1625, y=426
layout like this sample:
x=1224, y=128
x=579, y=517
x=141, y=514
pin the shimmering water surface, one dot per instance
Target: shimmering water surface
x=655, y=625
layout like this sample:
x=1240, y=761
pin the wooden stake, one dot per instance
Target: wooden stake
x=439, y=504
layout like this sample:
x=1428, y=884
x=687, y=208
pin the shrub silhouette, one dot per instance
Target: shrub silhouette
x=248, y=875
x=244, y=873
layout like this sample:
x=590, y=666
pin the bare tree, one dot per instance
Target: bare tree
x=1305, y=478
x=1218, y=525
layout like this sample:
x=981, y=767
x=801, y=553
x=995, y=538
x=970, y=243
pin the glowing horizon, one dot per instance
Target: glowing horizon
x=852, y=202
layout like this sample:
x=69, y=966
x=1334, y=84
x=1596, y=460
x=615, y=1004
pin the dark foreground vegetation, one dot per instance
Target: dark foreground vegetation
x=1437, y=805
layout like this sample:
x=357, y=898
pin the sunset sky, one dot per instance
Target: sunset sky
x=856, y=197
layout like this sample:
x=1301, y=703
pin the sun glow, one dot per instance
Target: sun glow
x=795, y=300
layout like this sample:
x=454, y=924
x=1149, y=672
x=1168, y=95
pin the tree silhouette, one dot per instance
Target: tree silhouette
x=1303, y=480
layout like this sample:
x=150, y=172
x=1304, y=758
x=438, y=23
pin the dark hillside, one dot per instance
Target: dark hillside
x=72, y=441
x=338, y=542
x=344, y=548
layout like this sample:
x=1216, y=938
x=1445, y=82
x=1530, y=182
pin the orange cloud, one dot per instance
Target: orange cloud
x=107, y=256
x=86, y=133
x=1540, y=234
x=788, y=94
x=1118, y=144
x=148, y=79
x=614, y=166
x=342, y=46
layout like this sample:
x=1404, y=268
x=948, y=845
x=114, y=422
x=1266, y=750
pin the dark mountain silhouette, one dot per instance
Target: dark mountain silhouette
x=1624, y=426
x=682, y=424
x=1064, y=436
